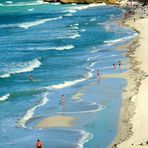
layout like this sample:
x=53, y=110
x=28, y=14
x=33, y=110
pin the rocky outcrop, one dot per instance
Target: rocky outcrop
x=84, y=1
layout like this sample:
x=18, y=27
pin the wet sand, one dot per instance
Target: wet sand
x=56, y=121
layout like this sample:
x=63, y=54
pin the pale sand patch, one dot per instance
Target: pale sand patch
x=115, y=75
x=56, y=121
x=77, y=96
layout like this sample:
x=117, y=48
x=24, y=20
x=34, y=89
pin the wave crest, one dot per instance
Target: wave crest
x=21, y=68
x=5, y=97
x=29, y=114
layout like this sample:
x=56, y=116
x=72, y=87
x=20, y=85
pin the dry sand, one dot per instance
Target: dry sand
x=133, y=128
x=56, y=121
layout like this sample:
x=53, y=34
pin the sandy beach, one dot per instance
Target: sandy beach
x=132, y=132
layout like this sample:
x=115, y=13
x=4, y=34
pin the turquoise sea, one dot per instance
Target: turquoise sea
x=61, y=47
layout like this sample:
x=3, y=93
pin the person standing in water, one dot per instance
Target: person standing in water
x=63, y=103
x=38, y=144
x=119, y=65
x=98, y=73
x=114, y=66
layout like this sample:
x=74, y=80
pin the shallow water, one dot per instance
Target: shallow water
x=61, y=46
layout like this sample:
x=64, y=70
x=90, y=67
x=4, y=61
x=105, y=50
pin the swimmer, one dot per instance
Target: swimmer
x=30, y=78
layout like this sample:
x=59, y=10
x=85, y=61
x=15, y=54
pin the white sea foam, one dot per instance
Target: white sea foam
x=92, y=58
x=21, y=68
x=82, y=30
x=5, y=97
x=75, y=27
x=92, y=64
x=89, y=74
x=65, y=84
x=58, y=48
x=9, y=2
x=77, y=24
x=35, y=23
x=31, y=9
x=88, y=6
x=27, y=25
x=74, y=36
x=78, y=8
x=70, y=36
x=84, y=139
x=111, y=42
x=68, y=14
x=29, y=114
x=93, y=19
x=94, y=51
x=99, y=108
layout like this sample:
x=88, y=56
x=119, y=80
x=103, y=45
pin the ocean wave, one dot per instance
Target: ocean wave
x=111, y=42
x=11, y=4
x=78, y=8
x=92, y=19
x=21, y=68
x=71, y=36
x=59, y=48
x=75, y=27
x=35, y=23
x=92, y=58
x=82, y=30
x=5, y=97
x=27, y=25
x=74, y=36
x=94, y=51
x=84, y=139
x=29, y=114
x=68, y=14
x=52, y=48
x=65, y=84
x=92, y=64
x=32, y=9
x=89, y=74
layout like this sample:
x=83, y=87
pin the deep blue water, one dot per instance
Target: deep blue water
x=61, y=46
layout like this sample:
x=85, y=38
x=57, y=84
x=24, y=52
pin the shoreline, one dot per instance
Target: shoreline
x=126, y=134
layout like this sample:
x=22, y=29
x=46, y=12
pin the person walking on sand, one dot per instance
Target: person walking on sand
x=38, y=144
x=114, y=66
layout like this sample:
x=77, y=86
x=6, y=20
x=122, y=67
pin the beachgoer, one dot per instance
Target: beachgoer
x=38, y=144
x=62, y=99
x=120, y=64
x=98, y=73
x=30, y=78
x=134, y=19
x=114, y=66
x=63, y=103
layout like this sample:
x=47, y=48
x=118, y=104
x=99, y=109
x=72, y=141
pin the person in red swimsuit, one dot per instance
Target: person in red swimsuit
x=38, y=144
